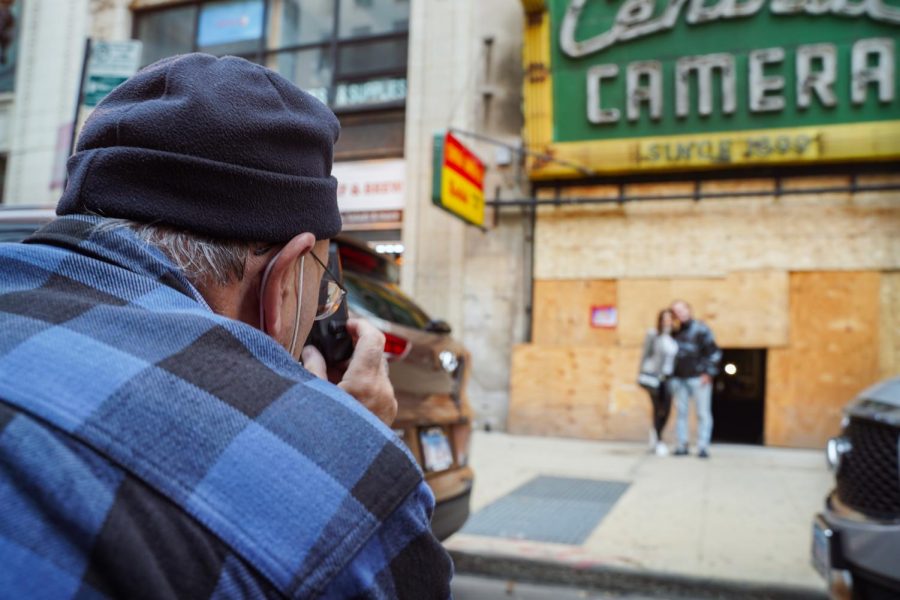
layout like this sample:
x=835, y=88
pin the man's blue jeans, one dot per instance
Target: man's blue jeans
x=682, y=390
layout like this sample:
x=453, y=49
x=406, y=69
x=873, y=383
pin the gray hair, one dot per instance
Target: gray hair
x=201, y=258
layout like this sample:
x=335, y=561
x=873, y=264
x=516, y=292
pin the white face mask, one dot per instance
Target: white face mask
x=262, y=308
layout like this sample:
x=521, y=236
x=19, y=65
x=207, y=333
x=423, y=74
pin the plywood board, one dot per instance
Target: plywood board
x=578, y=392
x=723, y=186
x=832, y=352
x=879, y=179
x=711, y=238
x=889, y=339
x=815, y=182
x=667, y=188
x=629, y=410
x=832, y=356
x=744, y=310
x=562, y=312
x=560, y=391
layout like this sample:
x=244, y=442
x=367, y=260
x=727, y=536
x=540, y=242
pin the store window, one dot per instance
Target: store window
x=10, y=20
x=2, y=175
x=351, y=54
x=310, y=69
x=230, y=27
x=372, y=17
x=306, y=21
x=166, y=32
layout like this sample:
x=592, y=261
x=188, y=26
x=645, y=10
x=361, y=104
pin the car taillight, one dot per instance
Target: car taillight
x=395, y=346
x=462, y=433
x=358, y=260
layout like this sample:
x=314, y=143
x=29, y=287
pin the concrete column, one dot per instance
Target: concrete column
x=441, y=52
x=465, y=72
x=50, y=55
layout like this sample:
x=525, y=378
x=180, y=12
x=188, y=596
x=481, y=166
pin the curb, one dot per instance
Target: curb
x=617, y=579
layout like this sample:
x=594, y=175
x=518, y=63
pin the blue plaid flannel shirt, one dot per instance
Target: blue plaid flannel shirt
x=150, y=448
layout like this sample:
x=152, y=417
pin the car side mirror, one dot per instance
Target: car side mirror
x=438, y=326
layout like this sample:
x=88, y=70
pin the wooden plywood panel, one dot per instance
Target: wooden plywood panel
x=723, y=186
x=560, y=391
x=889, y=341
x=629, y=412
x=811, y=232
x=815, y=182
x=577, y=392
x=562, y=312
x=744, y=310
x=879, y=179
x=781, y=406
x=833, y=355
x=668, y=188
x=640, y=301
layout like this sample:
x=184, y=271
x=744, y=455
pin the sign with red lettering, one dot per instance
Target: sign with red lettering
x=458, y=181
x=370, y=185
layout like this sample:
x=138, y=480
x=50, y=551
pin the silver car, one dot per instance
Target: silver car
x=856, y=539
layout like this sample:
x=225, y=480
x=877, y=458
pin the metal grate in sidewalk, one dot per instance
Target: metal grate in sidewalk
x=561, y=510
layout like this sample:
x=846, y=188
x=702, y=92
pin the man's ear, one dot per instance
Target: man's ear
x=282, y=280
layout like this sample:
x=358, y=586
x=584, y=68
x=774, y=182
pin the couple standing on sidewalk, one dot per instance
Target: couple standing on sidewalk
x=679, y=361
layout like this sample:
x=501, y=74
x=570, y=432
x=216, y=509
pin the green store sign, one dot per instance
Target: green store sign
x=636, y=85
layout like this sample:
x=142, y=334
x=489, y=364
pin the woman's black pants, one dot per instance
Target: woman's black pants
x=662, y=406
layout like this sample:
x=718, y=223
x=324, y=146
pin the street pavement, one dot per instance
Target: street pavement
x=743, y=516
x=467, y=587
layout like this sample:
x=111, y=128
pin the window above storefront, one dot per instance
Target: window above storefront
x=10, y=18
x=351, y=54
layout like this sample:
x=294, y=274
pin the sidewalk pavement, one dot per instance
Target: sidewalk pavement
x=741, y=517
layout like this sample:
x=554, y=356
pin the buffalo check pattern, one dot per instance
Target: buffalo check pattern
x=150, y=448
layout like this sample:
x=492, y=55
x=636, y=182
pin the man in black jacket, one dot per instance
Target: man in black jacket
x=696, y=363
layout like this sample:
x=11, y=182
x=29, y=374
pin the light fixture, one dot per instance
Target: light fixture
x=389, y=248
x=730, y=369
x=835, y=450
x=449, y=361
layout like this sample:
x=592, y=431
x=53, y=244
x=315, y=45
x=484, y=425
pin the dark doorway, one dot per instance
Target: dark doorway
x=739, y=394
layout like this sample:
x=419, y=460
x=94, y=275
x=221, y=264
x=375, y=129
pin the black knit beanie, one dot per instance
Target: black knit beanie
x=216, y=146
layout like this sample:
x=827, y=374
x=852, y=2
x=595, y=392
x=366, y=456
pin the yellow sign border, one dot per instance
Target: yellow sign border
x=851, y=142
x=445, y=177
x=470, y=210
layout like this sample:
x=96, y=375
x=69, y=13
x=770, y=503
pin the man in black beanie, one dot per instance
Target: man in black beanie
x=158, y=436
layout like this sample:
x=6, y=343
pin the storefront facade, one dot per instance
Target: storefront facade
x=740, y=156
x=351, y=55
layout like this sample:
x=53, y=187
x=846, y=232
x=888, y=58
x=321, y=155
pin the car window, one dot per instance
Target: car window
x=368, y=263
x=384, y=301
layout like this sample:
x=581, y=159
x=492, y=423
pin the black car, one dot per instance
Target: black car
x=856, y=539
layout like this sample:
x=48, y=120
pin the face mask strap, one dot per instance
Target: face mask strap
x=299, y=288
x=299, y=303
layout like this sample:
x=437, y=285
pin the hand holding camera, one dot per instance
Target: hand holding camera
x=350, y=353
x=366, y=376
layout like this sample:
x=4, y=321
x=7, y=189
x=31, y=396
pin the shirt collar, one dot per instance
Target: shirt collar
x=118, y=246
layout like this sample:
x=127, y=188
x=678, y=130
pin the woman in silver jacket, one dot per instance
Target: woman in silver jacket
x=657, y=364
